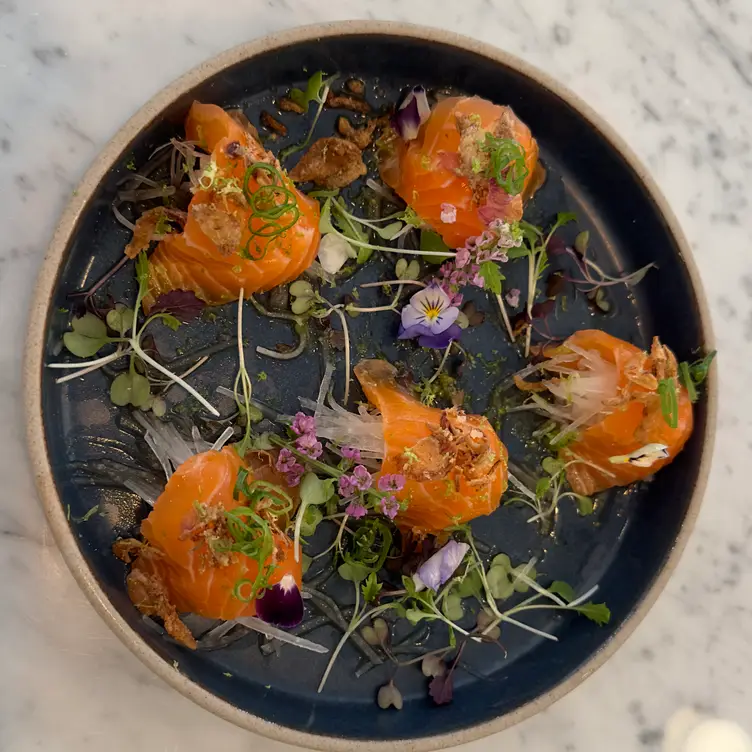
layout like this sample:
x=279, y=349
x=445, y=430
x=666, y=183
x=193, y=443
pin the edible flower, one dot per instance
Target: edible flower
x=411, y=114
x=441, y=566
x=356, y=509
x=282, y=604
x=288, y=465
x=391, y=482
x=390, y=506
x=360, y=480
x=430, y=316
x=351, y=453
x=448, y=213
x=645, y=456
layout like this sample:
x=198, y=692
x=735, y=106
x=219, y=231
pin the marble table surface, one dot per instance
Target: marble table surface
x=675, y=78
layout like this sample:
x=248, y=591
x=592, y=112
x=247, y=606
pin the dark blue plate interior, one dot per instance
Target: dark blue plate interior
x=622, y=546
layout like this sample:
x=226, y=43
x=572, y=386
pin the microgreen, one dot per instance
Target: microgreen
x=669, y=401
x=693, y=375
x=506, y=163
x=89, y=335
x=492, y=277
x=317, y=90
x=242, y=387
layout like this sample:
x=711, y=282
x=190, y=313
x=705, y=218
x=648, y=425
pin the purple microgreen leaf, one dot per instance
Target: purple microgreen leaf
x=182, y=304
x=441, y=688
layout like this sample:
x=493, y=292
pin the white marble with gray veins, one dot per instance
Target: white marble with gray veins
x=675, y=78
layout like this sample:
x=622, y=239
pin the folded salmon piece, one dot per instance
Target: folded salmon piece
x=454, y=464
x=608, y=393
x=447, y=165
x=248, y=227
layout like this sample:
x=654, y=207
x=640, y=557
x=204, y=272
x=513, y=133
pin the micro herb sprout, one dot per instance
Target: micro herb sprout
x=242, y=387
x=667, y=392
x=90, y=334
x=317, y=90
x=693, y=375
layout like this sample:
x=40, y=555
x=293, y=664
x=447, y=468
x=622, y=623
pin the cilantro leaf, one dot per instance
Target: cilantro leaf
x=492, y=277
x=371, y=588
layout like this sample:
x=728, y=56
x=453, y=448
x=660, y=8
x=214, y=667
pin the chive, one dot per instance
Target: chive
x=685, y=377
x=669, y=401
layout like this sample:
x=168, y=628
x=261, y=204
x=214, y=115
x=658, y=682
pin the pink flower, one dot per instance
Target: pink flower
x=513, y=297
x=303, y=424
x=478, y=281
x=356, y=509
x=389, y=507
x=309, y=444
x=293, y=477
x=391, y=482
x=462, y=258
x=448, y=213
x=351, y=453
x=286, y=461
x=362, y=478
x=346, y=486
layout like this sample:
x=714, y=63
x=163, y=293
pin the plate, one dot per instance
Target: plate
x=630, y=545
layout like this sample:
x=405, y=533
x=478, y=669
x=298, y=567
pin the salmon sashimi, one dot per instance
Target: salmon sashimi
x=189, y=527
x=454, y=464
x=449, y=167
x=247, y=226
x=630, y=416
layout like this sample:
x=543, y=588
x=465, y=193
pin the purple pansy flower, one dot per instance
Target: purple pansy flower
x=389, y=507
x=430, y=317
x=281, y=604
x=351, y=453
x=303, y=424
x=391, y=482
x=441, y=566
x=412, y=113
x=356, y=509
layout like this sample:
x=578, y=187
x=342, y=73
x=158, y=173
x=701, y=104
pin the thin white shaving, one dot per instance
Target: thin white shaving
x=267, y=629
x=198, y=443
x=362, y=431
x=324, y=388
x=141, y=489
x=223, y=439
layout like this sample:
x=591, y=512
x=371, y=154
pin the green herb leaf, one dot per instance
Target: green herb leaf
x=88, y=336
x=542, y=487
x=312, y=516
x=312, y=92
x=170, y=321
x=563, y=218
x=552, y=466
x=371, y=588
x=353, y=572
x=585, y=505
x=581, y=242
x=563, y=590
x=313, y=490
x=597, y=612
x=470, y=585
x=669, y=401
x=699, y=369
x=120, y=318
x=432, y=241
x=130, y=388
x=452, y=607
x=499, y=583
x=685, y=378
x=492, y=277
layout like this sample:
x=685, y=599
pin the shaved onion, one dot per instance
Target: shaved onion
x=383, y=191
x=324, y=388
x=223, y=439
x=142, y=489
x=122, y=219
x=199, y=444
x=147, y=194
x=364, y=432
x=279, y=634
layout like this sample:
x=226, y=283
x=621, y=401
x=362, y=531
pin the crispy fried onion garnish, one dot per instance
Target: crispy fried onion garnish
x=459, y=443
x=222, y=227
x=145, y=230
x=148, y=589
x=644, y=371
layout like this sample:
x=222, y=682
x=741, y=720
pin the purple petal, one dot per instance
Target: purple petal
x=356, y=510
x=281, y=604
x=442, y=340
x=412, y=113
x=410, y=332
x=442, y=565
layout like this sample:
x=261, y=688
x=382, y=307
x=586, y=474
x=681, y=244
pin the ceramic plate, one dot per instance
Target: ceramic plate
x=629, y=546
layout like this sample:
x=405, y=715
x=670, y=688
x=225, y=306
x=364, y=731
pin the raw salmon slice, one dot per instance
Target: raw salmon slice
x=194, y=261
x=198, y=582
x=424, y=172
x=431, y=505
x=636, y=420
